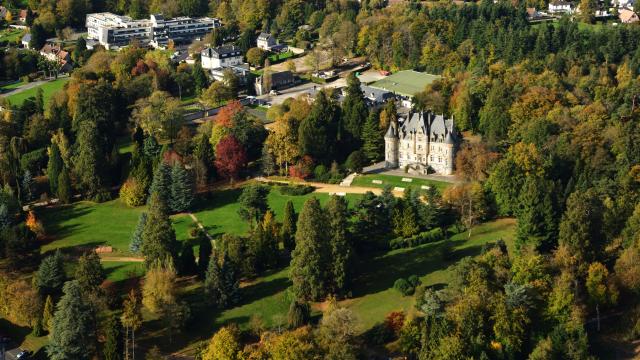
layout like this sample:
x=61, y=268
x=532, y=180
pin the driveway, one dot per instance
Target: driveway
x=12, y=354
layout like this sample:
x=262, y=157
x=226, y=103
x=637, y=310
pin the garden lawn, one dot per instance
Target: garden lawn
x=268, y=297
x=219, y=213
x=11, y=35
x=276, y=58
x=49, y=89
x=120, y=270
x=396, y=181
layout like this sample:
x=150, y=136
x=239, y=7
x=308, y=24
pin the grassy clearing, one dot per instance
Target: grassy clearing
x=121, y=270
x=11, y=35
x=276, y=58
x=396, y=181
x=268, y=297
x=49, y=89
x=15, y=85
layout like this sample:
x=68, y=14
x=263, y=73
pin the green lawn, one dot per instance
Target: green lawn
x=120, y=270
x=276, y=58
x=15, y=85
x=11, y=35
x=49, y=89
x=396, y=181
x=373, y=295
x=219, y=213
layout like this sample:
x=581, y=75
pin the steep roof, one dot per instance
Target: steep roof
x=437, y=127
x=627, y=15
x=221, y=51
x=264, y=36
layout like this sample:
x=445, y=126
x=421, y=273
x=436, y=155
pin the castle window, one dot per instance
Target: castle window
x=431, y=158
x=419, y=147
x=439, y=159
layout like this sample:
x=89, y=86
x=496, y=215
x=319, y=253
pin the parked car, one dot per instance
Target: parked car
x=23, y=355
x=273, y=92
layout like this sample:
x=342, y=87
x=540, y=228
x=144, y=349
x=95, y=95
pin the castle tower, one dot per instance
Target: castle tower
x=450, y=143
x=391, y=143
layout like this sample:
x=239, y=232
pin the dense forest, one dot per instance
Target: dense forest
x=552, y=126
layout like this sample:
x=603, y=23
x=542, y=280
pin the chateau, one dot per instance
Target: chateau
x=423, y=143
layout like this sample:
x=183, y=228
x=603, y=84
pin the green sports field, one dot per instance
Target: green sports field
x=407, y=82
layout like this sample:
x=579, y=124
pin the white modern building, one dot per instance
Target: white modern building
x=220, y=57
x=112, y=30
x=560, y=6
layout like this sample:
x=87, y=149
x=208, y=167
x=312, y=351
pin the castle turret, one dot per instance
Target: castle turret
x=391, y=141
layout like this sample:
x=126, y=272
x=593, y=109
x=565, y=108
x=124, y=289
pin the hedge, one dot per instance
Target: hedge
x=432, y=235
x=296, y=190
x=34, y=161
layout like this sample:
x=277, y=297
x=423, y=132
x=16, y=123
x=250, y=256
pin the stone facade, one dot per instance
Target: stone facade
x=423, y=143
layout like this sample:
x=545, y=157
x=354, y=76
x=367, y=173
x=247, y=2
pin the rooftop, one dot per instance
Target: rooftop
x=406, y=83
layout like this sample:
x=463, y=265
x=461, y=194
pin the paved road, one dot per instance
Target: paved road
x=11, y=354
x=366, y=77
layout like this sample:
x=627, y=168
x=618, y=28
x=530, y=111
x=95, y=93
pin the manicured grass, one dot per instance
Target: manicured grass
x=49, y=89
x=396, y=181
x=11, y=35
x=373, y=298
x=15, y=85
x=275, y=58
x=124, y=144
x=86, y=225
x=119, y=271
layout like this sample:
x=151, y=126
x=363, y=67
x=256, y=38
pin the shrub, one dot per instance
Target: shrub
x=414, y=280
x=133, y=193
x=355, y=162
x=404, y=287
x=321, y=173
x=425, y=237
x=34, y=161
x=296, y=190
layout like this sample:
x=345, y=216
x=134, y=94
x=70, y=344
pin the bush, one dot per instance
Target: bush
x=133, y=193
x=34, y=161
x=404, y=287
x=355, y=162
x=425, y=237
x=321, y=173
x=414, y=280
x=296, y=190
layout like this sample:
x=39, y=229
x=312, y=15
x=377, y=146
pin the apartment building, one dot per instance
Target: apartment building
x=113, y=31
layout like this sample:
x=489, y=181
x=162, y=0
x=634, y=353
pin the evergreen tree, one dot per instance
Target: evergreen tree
x=253, y=203
x=317, y=133
x=113, y=344
x=267, y=161
x=136, y=238
x=50, y=275
x=89, y=273
x=27, y=185
x=181, y=189
x=581, y=225
x=309, y=267
x=299, y=314
x=354, y=111
x=187, y=264
x=537, y=219
x=373, y=141
x=47, y=313
x=158, y=236
x=221, y=283
x=72, y=327
x=54, y=167
x=90, y=160
x=161, y=183
x=151, y=148
x=5, y=218
x=64, y=187
x=288, y=229
x=341, y=251
x=199, y=78
x=204, y=253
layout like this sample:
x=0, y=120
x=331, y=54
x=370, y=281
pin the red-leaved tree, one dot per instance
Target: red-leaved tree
x=231, y=157
x=226, y=114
